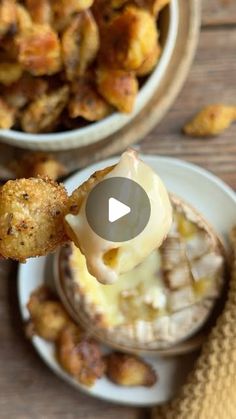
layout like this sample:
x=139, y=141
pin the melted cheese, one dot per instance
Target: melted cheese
x=124, y=256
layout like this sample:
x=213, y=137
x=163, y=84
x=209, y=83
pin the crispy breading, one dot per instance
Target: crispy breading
x=129, y=39
x=26, y=89
x=42, y=114
x=80, y=44
x=39, y=50
x=211, y=121
x=10, y=72
x=153, y=6
x=8, y=22
x=80, y=356
x=47, y=316
x=129, y=370
x=31, y=217
x=24, y=21
x=150, y=63
x=86, y=102
x=7, y=115
x=119, y=88
x=64, y=10
x=40, y=11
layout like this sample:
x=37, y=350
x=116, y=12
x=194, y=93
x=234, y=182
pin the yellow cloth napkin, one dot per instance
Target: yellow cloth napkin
x=210, y=390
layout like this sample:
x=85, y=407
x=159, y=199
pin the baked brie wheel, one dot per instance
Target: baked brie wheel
x=163, y=301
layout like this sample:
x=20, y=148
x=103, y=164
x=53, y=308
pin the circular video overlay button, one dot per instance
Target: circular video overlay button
x=118, y=209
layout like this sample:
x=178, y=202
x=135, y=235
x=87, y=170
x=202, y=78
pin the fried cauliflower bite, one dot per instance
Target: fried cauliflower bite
x=47, y=316
x=129, y=39
x=31, y=218
x=210, y=121
x=64, y=10
x=10, y=72
x=129, y=371
x=39, y=50
x=119, y=88
x=42, y=114
x=7, y=115
x=8, y=22
x=80, y=44
x=86, y=102
x=26, y=89
x=81, y=357
x=150, y=63
x=40, y=11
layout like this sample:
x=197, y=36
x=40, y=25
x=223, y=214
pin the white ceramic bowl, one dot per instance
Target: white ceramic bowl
x=99, y=130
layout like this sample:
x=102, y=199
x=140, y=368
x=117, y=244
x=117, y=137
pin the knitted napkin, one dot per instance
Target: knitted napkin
x=210, y=390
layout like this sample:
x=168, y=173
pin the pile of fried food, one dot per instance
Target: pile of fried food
x=65, y=62
x=78, y=354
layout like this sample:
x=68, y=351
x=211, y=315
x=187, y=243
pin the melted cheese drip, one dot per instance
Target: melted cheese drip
x=130, y=253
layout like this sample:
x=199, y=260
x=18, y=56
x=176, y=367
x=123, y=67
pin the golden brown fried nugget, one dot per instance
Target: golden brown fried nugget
x=64, y=10
x=24, y=21
x=42, y=114
x=48, y=316
x=119, y=88
x=129, y=39
x=40, y=11
x=80, y=356
x=31, y=218
x=86, y=102
x=129, y=370
x=7, y=115
x=39, y=50
x=150, y=63
x=8, y=22
x=26, y=89
x=10, y=72
x=153, y=6
x=80, y=44
x=211, y=120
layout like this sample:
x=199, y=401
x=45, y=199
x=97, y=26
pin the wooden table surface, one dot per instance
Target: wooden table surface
x=28, y=389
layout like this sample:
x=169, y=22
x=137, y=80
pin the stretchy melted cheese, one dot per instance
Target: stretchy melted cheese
x=107, y=260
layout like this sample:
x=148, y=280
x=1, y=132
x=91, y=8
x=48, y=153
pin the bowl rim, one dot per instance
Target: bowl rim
x=116, y=120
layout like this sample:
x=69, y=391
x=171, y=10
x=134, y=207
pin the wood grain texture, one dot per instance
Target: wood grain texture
x=219, y=12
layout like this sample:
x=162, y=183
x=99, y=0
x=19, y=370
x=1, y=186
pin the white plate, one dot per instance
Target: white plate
x=216, y=201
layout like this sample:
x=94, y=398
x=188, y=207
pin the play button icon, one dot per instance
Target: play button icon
x=118, y=209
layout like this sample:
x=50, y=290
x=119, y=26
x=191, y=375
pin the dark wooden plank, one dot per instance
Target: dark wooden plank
x=219, y=12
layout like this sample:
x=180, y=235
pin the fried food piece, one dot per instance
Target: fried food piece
x=10, y=73
x=129, y=370
x=86, y=102
x=24, y=21
x=119, y=88
x=40, y=11
x=39, y=50
x=26, y=89
x=129, y=39
x=8, y=23
x=104, y=12
x=42, y=114
x=64, y=10
x=80, y=356
x=150, y=63
x=80, y=44
x=48, y=317
x=7, y=115
x=211, y=120
x=31, y=218
x=153, y=6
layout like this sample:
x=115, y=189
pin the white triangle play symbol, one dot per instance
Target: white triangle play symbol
x=117, y=210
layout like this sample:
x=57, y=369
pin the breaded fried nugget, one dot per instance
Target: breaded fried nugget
x=64, y=10
x=40, y=11
x=129, y=39
x=8, y=23
x=129, y=370
x=47, y=316
x=150, y=63
x=80, y=44
x=31, y=218
x=7, y=115
x=26, y=89
x=10, y=72
x=119, y=88
x=80, y=356
x=24, y=21
x=86, y=102
x=39, y=50
x=153, y=6
x=42, y=114
x=211, y=120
